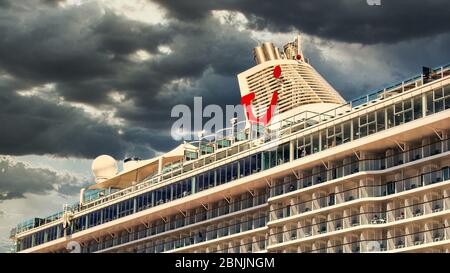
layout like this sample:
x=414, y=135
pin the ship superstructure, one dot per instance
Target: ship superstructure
x=300, y=87
x=367, y=175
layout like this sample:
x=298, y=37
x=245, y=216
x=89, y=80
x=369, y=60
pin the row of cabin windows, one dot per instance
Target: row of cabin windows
x=394, y=115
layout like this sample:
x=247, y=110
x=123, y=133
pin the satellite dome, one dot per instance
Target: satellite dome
x=104, y=167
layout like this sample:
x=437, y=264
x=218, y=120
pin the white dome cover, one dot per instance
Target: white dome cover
x=104, y=167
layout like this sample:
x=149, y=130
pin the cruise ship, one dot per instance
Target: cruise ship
x=324, y=175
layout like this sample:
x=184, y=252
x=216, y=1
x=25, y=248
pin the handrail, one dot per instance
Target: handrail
x=74, y=210
x=190, y=237
x=219, y=208
x=266, y=244
x=443, y=228
x=392, y=86
x=378, y=212
x=142, y=185
x=357, y=188
x=342, y=166
x=161, y=175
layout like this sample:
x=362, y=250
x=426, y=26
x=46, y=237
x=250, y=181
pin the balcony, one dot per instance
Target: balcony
x=380, y=243
x=231, y=226
x=342, y=171
x=355, y=194
x=249, y=146
x=370, y=165
x=322, y=227
x=163, y=243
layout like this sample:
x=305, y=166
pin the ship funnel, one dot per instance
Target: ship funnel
x=277, y=53
x=266, y=52
x=269, y=51
x=258, y=55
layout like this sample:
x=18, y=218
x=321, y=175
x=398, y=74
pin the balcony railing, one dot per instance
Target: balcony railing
x=341, y=171
x=363, y=165
x=390, y=243
x=184, y=222
x=35, y=222
x=184, y=241
x=359, y=192
x=375, y=217
x=249, y=147
x=401, y=86
x=378, y=244
x=198, y=164
x=250, y=247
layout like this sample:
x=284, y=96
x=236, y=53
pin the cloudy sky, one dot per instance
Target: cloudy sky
x=80, y=78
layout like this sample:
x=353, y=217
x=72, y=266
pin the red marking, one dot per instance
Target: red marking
x=247, y=99
x=299, y=57
x=277, y=72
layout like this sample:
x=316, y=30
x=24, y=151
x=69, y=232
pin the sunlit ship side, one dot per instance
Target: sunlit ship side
x=367, y=175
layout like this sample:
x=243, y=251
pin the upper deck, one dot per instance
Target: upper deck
x=215, y=152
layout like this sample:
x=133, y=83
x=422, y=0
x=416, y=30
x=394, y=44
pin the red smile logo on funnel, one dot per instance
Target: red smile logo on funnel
x=247, y=99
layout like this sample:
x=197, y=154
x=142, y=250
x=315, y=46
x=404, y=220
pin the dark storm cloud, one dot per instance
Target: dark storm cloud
x=31, y=125
x=85, y=51
x=358, y=70
x=52, y=2
x=154, y=85
x=34, y=125
x=40, y=47
x=70, y=45
x=349, y=21
x=4, y=3
x=120, y=36
x=17, y=179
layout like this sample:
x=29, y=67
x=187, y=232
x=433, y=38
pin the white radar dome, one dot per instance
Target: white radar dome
x=104, y=167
